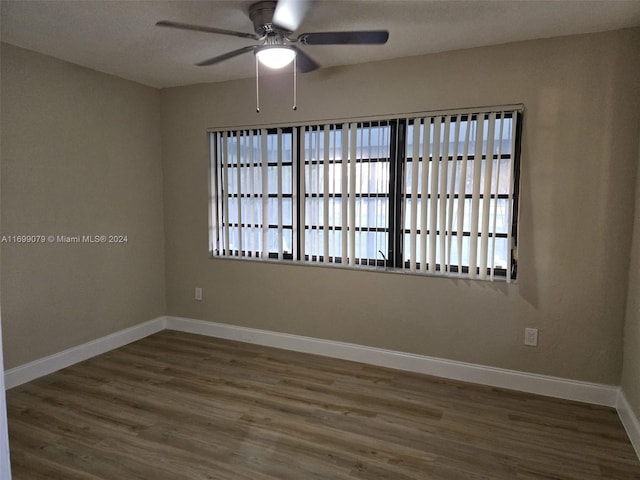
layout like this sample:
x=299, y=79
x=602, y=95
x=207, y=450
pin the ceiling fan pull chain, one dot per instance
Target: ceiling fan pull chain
x=257, y=87
x=295, y=84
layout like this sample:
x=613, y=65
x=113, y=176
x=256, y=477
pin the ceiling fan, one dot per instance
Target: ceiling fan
x=274, y=22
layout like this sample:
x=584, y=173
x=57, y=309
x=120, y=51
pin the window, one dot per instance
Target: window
x=433, y=194
x=252, y=181
x=346, y=191
x=458, y=194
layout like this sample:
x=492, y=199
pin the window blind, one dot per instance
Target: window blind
x=430, y=194
x=458, y=193
x=253, y=191
x=345, y=187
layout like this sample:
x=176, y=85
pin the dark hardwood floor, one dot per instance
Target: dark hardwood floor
x=180, y=406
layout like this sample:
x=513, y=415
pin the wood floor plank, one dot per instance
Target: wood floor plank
x=182, y=406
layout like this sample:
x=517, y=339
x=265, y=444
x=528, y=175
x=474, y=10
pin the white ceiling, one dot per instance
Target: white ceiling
x=120, y=37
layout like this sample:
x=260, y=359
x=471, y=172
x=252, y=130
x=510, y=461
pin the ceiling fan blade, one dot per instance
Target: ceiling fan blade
x=371, y=37
x=227, y=56
x=201, y=28
x=304, y=62
x=289, y=13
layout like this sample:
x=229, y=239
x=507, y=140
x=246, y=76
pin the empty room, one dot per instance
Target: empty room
x=313, y=239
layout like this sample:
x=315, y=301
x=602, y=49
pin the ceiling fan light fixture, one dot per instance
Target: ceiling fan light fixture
x=275, y=56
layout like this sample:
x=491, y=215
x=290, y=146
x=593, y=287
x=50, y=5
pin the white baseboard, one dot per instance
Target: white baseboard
x=629, y=420
x=496, y=377
x=593, y=393
x=44, y=366
x=597, y=394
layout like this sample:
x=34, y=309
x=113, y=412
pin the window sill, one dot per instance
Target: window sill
x=364, y=268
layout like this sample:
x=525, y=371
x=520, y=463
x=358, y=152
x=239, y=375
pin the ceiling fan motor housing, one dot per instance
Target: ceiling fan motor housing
x=261, y=14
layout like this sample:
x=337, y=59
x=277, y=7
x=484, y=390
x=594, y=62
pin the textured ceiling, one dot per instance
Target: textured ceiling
x=120, y=37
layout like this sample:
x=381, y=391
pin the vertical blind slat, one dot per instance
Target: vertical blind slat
x=442, y=196
x=352, y=189
x=336, y=188
x=492, y=255
x=344, y=190
x=372, y=213
x=452, y=191
x=385, y=184
x=325, y=192
x=239, y=189
x=415, y=154
x=462, y=193
x=265, y=193
x=318, y=190
x=251, y=221
x=486, y=197
x=279, y=194
x=510, y=237
x=303, y=195
x=359, y=179
x=475, y=199
x=225, y=203
x=294, y=194
x=424, y=226
x=216, y=182
x=433, y=207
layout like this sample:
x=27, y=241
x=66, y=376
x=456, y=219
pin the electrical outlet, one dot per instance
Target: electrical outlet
x=198, y=293
x=531, y=337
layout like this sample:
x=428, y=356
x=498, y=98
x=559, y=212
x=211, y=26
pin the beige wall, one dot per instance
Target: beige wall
x=80, y=156
x=631, y=364
x=577, y=192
